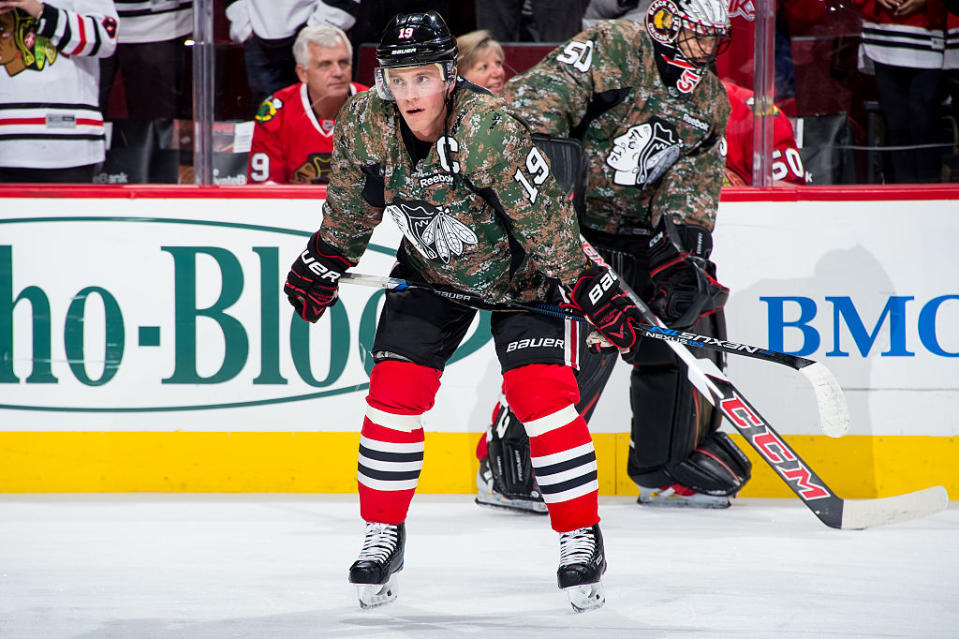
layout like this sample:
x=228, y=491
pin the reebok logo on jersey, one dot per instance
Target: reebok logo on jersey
x=536, y=342
x=435, y=179
x=696, y=122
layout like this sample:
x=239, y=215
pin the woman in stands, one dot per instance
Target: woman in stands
x=481, y=60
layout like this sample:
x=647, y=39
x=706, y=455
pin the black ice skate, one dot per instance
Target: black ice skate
x=374, y=571
x=582, y=562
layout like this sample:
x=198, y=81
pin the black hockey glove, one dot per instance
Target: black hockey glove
x=683, y=283
x=598, y=294
x=314, y=279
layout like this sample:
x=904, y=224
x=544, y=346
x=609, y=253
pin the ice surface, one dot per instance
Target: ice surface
x=216, y=566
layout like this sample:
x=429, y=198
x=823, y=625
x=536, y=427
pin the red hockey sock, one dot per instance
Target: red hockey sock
x=391, y=441
x=543, y=397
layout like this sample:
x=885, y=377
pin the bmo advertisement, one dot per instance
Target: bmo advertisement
x=146, y=344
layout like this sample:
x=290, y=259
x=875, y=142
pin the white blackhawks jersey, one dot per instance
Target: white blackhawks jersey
x=154, y=20
x=275, y=19
x=49, y=83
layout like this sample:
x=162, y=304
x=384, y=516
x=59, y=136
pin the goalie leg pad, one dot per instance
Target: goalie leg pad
x=391, y=440
x=670, y=417
x=508, y=460
x=716, y=467
x=544, y=397
x=505, y=476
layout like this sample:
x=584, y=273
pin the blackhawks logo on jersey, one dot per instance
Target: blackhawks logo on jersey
x=644, y=153
x=268, y=109
x=20, y=46
x=435, y=233
x=315, y=170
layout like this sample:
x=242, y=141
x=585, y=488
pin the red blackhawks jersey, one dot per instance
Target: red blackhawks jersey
x=786, y=162
x=290, y=145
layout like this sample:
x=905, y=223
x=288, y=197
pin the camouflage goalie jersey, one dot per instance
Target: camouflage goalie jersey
x=649, y=152
x=481, y=213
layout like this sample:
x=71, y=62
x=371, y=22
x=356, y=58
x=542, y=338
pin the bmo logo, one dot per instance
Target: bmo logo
x=932, y=325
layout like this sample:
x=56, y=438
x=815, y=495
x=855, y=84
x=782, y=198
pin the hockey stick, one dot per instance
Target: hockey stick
x=833, y=412
x=831, y=509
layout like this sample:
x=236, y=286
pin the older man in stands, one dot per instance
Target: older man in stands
x=293, y=132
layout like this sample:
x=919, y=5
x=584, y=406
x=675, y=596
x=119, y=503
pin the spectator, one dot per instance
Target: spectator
x=598, y=10
x=481, y=59
x=151, y=56
x=293, y=133
x=267, y=29
x=51, y=128
x=950, y=63
x=903, y=43
x=552, y=20
x=786, y=161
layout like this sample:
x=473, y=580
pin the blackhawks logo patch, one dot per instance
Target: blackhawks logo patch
x=268, y=109
x=435, y=233
x=642, y=154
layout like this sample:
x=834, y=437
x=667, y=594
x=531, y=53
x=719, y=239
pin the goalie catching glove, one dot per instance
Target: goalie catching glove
x=683, y=283
x=599, y=296
x=313, y=283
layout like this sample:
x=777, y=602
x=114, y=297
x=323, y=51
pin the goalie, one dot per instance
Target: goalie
x=651, y=119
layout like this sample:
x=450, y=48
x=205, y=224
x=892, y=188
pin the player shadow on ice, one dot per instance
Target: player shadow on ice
x=785, y=398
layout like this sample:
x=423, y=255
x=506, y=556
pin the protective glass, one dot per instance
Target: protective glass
x=406, y=83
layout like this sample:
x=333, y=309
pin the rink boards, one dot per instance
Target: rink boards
x=145, y=344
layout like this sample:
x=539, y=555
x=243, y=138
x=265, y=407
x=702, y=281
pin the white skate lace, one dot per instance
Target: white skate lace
x=380, y=541
x=576, y=547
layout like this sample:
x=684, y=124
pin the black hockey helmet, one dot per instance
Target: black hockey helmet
x=415, y=39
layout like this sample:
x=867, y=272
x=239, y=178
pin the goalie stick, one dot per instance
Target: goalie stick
x=831, y=509
x=830, y=400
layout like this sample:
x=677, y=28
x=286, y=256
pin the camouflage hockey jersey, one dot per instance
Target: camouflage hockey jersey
x=649, y=152
x=481, y=213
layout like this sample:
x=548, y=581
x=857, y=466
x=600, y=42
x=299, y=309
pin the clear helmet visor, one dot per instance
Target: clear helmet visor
x=408, y=83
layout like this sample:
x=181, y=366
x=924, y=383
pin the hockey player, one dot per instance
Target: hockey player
x=787, y=164
x=651, y=119
x=480, y=213
x=293, y=130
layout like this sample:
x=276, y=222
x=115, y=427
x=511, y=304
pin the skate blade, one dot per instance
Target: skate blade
x=520, y=505
x=373, y=595
x=587, y=596
x=669, y=502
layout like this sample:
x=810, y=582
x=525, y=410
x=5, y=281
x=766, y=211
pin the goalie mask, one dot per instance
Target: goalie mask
x=688, y=36
x=415, y=40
